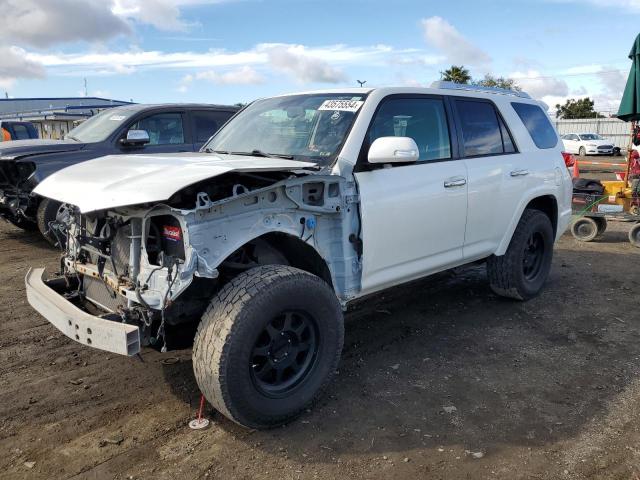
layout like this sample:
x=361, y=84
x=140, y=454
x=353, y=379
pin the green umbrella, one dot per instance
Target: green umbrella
x=630, y=104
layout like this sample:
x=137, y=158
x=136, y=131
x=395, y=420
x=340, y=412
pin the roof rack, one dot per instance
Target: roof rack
x=478, y=88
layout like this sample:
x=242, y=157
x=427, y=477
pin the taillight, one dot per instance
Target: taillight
x=569, y=159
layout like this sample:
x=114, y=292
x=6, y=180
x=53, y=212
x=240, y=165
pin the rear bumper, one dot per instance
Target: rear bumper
x=76, y=324
x=564, y=219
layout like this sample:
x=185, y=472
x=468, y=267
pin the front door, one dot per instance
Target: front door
x=167, y=133
x=413, y=215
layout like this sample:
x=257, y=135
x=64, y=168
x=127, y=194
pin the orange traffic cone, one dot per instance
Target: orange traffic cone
x=576, y=170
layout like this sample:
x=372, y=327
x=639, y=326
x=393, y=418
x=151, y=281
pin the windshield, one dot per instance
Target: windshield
x=100, y=126
x=590, y=136
x=309, y=127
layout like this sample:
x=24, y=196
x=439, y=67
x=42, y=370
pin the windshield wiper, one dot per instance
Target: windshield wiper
x=260, y=153
x=72, y=138
x=210, y=150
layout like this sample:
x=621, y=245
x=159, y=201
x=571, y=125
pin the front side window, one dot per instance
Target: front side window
x=163, y=128
x=310, y=127
x=423, y=119
x=538, y=124
x=482, y=129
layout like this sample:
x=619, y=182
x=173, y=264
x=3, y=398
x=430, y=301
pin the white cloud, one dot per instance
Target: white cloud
x=14, y=65
x=613, y=81
x=322, y=64
x=457, y=49
x=162, y=14
x=43, y=23
x=540, y=86
x=241, y=76
x=302, y=65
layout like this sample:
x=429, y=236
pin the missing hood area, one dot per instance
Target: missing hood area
x=124, y=180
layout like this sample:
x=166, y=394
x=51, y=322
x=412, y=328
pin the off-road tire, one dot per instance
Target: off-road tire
x=634, y=235
x=507, y=272
x=231, y=326
x=47, y=213
x=585, y=229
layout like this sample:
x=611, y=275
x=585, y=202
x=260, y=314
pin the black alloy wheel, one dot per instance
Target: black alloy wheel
x=284, y=352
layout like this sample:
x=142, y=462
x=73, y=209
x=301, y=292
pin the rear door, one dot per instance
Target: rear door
x=497, y=174
x=413, y=215
x=205, y=123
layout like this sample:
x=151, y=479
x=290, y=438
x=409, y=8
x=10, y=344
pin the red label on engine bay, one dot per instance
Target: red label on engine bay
x=171, y=233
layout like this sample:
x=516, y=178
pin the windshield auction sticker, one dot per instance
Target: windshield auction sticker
x=341, y=105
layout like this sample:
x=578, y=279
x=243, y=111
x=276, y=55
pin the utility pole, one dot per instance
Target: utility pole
x=85, y=87
x=6, y=94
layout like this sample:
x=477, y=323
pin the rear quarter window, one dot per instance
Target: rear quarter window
x=537, y=124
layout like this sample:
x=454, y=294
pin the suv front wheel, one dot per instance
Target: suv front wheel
x=268, y=343
x=522, y=271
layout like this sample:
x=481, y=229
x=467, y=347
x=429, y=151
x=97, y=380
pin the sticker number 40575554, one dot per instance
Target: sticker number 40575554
x=341, y=105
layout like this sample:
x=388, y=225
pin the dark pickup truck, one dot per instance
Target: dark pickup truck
x=127, y=129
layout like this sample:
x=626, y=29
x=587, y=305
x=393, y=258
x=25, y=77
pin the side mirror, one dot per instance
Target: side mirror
x=136, y=138
x=393, y=150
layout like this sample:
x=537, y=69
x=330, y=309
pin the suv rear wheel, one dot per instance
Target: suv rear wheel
x=268, y=343
x=522, y=271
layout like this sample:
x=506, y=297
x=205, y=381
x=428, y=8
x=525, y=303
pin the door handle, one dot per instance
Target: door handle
x=455, y=182
x=519, y=173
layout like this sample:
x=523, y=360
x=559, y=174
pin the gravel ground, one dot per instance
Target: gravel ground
x=439, y=379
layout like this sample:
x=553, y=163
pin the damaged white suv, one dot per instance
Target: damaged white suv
x=297, y=206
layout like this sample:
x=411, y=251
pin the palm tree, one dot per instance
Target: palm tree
x=456, y=74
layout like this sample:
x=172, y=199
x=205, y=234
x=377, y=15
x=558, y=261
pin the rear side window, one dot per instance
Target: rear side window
x=423, y=119
x=483, y=131
x=538, y=124
x=21, y=132
x=206, y=123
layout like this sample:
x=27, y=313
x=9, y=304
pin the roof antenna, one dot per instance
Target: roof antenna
x=361, y=82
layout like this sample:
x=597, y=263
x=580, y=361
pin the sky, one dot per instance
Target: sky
x=228, y=51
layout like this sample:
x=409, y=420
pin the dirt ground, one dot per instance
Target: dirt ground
x=439, y=379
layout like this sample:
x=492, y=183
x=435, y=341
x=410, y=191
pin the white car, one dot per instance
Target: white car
x=587, y=144
x=298, y=206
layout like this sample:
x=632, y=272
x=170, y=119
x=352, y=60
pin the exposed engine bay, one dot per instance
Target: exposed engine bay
x=159, y=265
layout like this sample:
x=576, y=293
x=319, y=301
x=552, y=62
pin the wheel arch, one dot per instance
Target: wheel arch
x=298, y=253
x=546, y=202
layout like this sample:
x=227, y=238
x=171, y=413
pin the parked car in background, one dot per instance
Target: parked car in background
x=300, y=205
x=11, y=130
x=587, y=144
x=127, y=129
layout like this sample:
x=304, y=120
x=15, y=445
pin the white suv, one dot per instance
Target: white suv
x=299, y=205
